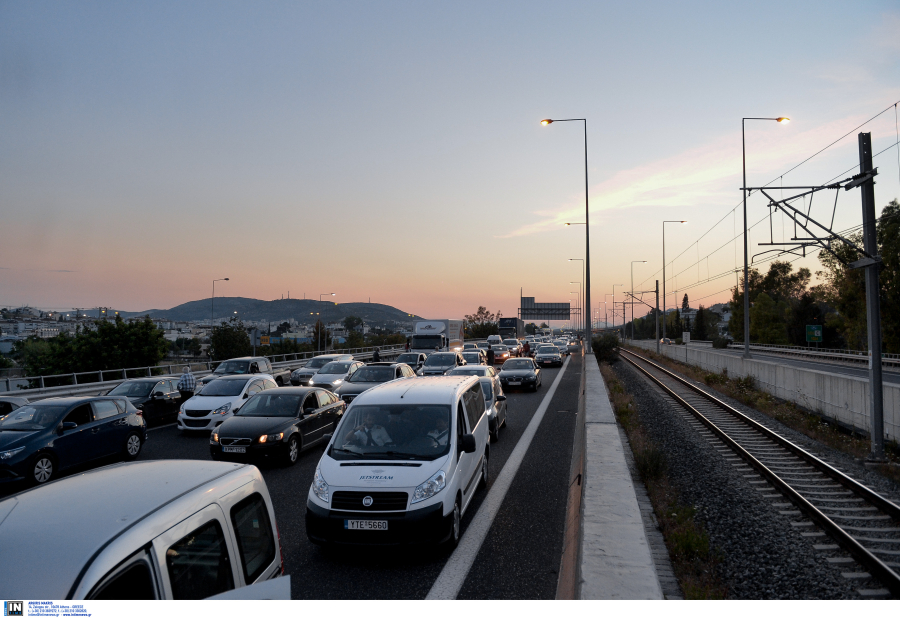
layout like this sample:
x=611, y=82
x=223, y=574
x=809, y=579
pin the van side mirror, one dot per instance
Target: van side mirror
x=467, y=443
x=501, y=397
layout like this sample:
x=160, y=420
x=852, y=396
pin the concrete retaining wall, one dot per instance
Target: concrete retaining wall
x=837, y=397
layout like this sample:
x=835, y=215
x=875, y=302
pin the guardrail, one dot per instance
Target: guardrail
x=94, y=388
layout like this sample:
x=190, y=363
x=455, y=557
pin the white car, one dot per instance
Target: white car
x=334, y=374
x=219, y=400
x=492, y=339
x=403, y=465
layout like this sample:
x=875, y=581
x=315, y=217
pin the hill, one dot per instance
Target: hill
x=276, y=311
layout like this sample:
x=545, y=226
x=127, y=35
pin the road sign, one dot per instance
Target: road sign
x=254, y=337
x=813, y=333
x=264, y=340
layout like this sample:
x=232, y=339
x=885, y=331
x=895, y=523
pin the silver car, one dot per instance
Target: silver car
x=495, y=405
x=334, y=374
x=170, y=529
x=301, y=376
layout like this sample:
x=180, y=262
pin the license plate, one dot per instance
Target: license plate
x=516, y=383
x=234, y=449
x=364, y=524
x=546, y=362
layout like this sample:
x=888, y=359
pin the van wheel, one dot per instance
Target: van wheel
x=455, y=526
x=483, y=482
x=133, y=446
x=43, y=470
x=293, y=451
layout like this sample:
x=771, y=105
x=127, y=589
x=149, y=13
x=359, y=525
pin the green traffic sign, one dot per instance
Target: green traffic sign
x=813, y=333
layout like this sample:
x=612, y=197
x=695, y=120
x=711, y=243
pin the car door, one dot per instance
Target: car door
x=310, y=418
x=173, y=398
x=111, y=428
x=330, y=407
x=76, y=446
x=499, y=406
x=465, y=461
x=156, y=406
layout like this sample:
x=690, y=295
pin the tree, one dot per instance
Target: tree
x=530, y=328
x=351, y=323
x=281, y=329
x=768, y=323
x=889, y=249
x=186, y=345
x=229, y=340
x=685, y=307
x=320, y=336
x=700, y=329
x=482, y=323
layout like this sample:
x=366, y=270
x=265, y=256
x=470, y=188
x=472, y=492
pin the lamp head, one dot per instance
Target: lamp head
x=226, y=278
x=546, y=121
x=783, y=120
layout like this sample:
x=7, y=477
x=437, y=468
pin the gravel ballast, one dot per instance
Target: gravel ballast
x=762, y=556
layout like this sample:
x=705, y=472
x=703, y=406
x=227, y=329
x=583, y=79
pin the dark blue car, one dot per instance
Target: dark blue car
x=41, y=439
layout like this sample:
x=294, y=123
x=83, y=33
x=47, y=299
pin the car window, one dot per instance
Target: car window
x=133, y=583
x=256, y=387
x=474, y=400
x=270, y=384
x=324, y=399
x=160, y=387
x=105, y=408
x=80, y=416
x=310, y=403
x=5, y=407
x=170, y=385
x=488, y=390
x=198, y=564
x=460, y=419
x=253, y=529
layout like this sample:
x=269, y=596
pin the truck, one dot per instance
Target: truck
x=511, y=328
x=437, y=336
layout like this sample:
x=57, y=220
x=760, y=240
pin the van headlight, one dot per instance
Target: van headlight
x=430, y=487
x=222, y=409
x=320, y=487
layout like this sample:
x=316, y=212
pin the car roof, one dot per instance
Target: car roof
x=332, y=356
x=66, y=523
x=383, y=364
x=433, y=390
x=245, y=376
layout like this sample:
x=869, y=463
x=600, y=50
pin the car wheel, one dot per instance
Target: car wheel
x=483, y=482
x=293, y=451
x=279, y=381
x=43, y=470
x=455, y=526
x=133, y=445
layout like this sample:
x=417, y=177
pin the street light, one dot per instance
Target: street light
x=587, y=219
x=582, y=275
x=664, y=274
x=580, y=305
x=632, y=293
x=212, y=317
x=577, y=306
x=319, y=337
x=780, y=120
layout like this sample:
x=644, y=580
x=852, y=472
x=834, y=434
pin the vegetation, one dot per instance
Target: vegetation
x=229, y=340
x=185, y=346
x=693, y=559
x=482, y=323
x=606, y=347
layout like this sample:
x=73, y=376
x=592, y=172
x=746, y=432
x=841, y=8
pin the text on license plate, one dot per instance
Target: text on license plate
x=234, y=449
x=514, y=382
x=364, y=524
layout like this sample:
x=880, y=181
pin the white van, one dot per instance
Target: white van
x=403, y=465
x=166, y=529
x=494, y=339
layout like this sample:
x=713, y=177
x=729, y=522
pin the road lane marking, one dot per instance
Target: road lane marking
x=162, y=426
x=453, y=575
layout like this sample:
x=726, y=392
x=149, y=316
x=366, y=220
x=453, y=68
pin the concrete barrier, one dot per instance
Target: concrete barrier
x=840, y=398
x=615, y=561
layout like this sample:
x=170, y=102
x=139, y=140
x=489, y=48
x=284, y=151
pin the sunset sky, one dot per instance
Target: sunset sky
x=393, y=150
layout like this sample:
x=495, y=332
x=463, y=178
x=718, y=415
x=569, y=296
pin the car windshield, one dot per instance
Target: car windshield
x=133, y=389
x=500, y=348
x=484, y=345
x=409, y=359
x=238, y=367
x=426, y=342
x=419, y=432
x=518, y=363
x=441, y=360
x=510, y=342
x=547, y=351
x=472, y=357
x=271, y=404
x=32, y=418
x=318, y=362
x=337, y=368
x=373, y=374
x=222, y=388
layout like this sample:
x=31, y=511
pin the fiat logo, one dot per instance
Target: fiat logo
x=367, y=501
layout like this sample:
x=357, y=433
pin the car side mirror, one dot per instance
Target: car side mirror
x=501, y=397
x=328, y=437
x=246, y=395
x=467, y=443
x=67, y=427
x=156, y=395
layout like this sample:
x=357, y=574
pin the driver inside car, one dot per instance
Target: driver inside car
x=368, y=433
x=441, y=432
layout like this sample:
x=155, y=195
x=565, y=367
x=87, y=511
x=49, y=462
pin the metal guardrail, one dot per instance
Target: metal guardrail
x=94, y=388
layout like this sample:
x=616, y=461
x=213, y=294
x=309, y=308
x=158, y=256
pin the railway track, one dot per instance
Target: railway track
x=858, y=520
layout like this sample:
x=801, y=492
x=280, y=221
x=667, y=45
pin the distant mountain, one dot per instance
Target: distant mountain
x=277, y=311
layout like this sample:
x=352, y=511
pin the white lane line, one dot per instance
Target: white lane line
x=454, y=573
x=162, y=426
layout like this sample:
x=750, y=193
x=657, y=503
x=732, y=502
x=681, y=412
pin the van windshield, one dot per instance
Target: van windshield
x=416, y=432
x=440, y=360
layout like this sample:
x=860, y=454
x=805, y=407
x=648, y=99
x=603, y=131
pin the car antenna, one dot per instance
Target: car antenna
x=406, y=391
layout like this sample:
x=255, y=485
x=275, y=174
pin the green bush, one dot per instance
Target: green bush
x=606, y=347
x=650, y=462
x=720, y=343
x=679, y=341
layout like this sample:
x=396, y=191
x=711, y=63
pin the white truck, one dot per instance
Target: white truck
x=437, y=336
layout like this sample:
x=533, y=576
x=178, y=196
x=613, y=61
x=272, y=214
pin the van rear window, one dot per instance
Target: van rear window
x=198, y=564
x=256, y=543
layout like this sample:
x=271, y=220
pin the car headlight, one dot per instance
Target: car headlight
x=430, y=487
x=530, y=378
x=11, y=452
x=213, y=438
x=181, y=409
x=272, y=437
x=222, y=409
x=320, y=487
x=336, y=382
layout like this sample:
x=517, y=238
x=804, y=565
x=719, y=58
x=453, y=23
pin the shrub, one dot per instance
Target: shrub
x=679, y=341
x=606, y=347
x=720, y=343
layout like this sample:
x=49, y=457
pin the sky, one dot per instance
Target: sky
x=392, y=151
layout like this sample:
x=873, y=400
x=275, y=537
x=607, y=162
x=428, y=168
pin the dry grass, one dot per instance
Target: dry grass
x=693, y=560
x=786, y=412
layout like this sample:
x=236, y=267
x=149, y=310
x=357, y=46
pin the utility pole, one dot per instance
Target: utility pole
x=873, y=309
x=657, y=316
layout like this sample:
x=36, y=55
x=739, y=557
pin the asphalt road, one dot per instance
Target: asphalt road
x=520, y=556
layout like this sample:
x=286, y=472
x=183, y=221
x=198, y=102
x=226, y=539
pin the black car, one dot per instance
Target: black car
x=413, y=359
x=371, y=375
x=40, y=440
x=520, y=372
x=157, y=398
x=277, y=424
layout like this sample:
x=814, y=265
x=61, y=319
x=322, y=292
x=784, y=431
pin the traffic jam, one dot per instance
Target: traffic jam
x=390, y=452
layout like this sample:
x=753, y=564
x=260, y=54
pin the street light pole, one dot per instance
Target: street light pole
x=320, y=330
x=582, y=278
x=781, y=119
x=212, y=316
x=632, y=293
x=587, y=223
x=621, y=285
x=664, y=274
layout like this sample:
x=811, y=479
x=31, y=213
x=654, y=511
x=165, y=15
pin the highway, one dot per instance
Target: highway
x=520, y=554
